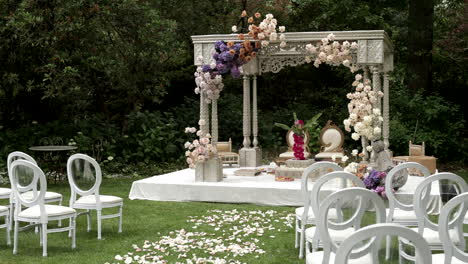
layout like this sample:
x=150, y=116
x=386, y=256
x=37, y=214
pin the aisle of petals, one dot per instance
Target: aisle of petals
x=219, y=237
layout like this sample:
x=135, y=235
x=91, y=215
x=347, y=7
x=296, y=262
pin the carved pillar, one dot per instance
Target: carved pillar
x=254, y=112
x=364, y=144
x=386, y=111
x=376, y=86
x=246, y=113
x=366, y=72
x=214, y=122
x=204, y=113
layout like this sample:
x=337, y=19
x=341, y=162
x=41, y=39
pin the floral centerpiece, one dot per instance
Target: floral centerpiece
x=199, y=150
x=299, y=129
x=372, y=178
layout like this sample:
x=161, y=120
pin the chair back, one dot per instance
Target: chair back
x=450, y=249
x=84, y=176
x=305, y=180
x=18, y=188
x=331, y=138
x=366, y=199
x=23, y=175
x=421, y=204
x=377, y=232
x=224, y=146
x=393, y=202
x=416, y=150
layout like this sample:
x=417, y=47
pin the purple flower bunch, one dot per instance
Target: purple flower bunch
x=229, y=57
x=375, y=181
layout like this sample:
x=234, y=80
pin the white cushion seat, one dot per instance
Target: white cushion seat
x=317, y=257
x=48, y=196
x=310, y=214
x=3, y=209
x=439, y=258
x=328, y=155
x=5, y=192
x=433, y=239
x=290, y=154
x=34, y=212
x=336, y=235
x=90, y=200
x=403, y=216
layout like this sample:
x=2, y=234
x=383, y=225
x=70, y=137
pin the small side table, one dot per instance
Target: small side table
x=54, y=163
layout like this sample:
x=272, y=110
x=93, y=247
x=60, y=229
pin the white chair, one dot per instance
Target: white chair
x=4, y=211
x=328, y=230
x=398, y=212
x=50, y=197
x=37, y=212
x=309, y=216
x=311, y=233
x=90, y=199
x=427, y=228
x=377, y=231
x=452, y=254
x=331, y=142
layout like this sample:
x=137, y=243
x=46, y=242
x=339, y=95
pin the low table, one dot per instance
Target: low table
x=55, y=163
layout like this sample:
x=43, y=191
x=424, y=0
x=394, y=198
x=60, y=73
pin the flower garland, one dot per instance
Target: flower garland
x=331, y=52
x=363, y=115
x=199, y=150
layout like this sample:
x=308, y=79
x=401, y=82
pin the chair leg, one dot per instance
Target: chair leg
x=296, y=239
x=8, y=224
x=301, y=245
x=88, y=219
x=60, y=221
x=99, y=223
x=120, y=219
x=73, y=225
x=70, y=225
x=387, y=248
x=15, y=238
x=12, y=207
x=40, y=234
x=44, y=240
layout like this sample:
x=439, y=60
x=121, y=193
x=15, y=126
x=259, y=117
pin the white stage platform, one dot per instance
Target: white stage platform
x=261, y=190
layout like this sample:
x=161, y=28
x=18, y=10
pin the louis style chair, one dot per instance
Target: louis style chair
x=36, y=211
x=83, y=171
x=50, y=197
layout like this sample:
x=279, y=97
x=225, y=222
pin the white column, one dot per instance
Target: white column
x=246, y=113
x=214, y=122
x=364, y=140
x=204, y=114
x=254, y=112
x=386, y=111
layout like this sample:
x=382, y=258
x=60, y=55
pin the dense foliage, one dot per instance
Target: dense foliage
x=116, y=77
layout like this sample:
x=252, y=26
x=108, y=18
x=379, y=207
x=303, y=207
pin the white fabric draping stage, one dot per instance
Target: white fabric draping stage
x=262, y=189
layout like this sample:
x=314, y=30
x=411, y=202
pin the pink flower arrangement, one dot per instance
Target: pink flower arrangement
x=199, y=150
x=298, y=147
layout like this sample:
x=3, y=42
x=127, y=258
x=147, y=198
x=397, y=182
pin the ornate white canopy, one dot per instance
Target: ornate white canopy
x=374, y=55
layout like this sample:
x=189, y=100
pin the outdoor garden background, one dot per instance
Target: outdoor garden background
x=115, y=78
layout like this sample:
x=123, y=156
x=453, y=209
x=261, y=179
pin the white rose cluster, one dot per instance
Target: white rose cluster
x=331, y=52
x=363, y=115
x=209, y=86
x=199, y=150
x=269, y=33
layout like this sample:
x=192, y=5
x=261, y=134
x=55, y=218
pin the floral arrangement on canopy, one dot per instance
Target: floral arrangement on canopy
x=230, y=56
x=299, y=129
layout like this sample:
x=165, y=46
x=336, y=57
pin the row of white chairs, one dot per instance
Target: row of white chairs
x=312, y=237
x=30, y=204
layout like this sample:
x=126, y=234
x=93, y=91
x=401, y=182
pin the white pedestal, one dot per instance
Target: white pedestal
x=250, y=157
x=209, y=171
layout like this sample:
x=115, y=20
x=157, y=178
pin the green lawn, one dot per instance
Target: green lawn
x=150, y=220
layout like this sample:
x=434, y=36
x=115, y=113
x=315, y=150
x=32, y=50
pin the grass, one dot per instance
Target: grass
x=143, y=220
